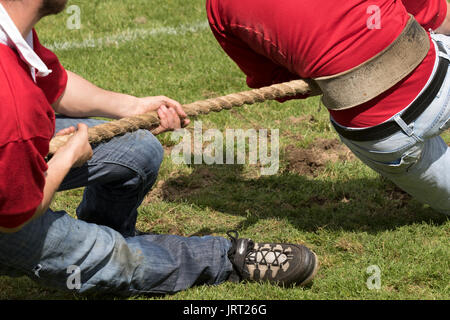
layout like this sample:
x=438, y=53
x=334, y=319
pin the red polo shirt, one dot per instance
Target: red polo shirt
x=274, y=41
x=27, y=125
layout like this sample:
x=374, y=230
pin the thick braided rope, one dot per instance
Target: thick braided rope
x=150, y=120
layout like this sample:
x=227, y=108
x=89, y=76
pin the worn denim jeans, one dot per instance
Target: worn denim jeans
x=415, y=158
x=100, y=249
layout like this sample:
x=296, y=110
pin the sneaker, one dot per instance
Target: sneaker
x=279, y=263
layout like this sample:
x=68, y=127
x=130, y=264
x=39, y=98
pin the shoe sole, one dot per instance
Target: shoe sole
x=313, y=274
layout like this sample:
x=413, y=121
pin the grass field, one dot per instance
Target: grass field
x=322, y=196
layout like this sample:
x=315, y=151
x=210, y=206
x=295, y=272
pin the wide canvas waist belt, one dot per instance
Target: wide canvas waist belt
x=419, y=105
x=378, y=74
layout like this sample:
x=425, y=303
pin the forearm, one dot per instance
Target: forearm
x=83, y=99
x=58, y=167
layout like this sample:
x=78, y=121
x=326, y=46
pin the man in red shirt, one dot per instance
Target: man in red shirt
x=100, y=251
x=383, y=76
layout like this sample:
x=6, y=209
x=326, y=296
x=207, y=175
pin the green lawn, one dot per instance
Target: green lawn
x=322, y=196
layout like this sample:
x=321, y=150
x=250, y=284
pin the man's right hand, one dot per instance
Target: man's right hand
x=77, y=149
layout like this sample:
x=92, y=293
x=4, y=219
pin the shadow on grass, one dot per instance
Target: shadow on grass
x=367, y=205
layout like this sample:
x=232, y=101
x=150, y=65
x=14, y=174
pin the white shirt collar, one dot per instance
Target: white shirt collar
x=10, y=36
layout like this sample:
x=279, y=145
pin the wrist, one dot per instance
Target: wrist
x=126, y=106
x=64, y=158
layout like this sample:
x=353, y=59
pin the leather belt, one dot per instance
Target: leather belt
x=361, y=84
x=388, y=128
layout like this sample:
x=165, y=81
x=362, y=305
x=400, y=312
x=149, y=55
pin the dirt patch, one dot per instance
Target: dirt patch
x=293, y=136
x=308, y=118
x=397, y=196
x=349, y=246
x=182, y=186
x=141, y=20
x=314, y=159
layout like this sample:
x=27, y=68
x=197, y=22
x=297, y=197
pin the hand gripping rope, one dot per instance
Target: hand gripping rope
x=150, y=120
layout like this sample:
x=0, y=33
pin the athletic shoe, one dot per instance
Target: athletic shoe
x=283, y=264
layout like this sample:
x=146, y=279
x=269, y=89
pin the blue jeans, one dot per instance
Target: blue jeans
x=99, y=252
x=415, y=158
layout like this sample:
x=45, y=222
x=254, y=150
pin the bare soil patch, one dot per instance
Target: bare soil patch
x=312, y=160
x=397, y=196
x=307, y=118
x=182, y=186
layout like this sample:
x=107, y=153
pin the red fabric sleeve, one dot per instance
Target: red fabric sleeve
x=22, y=181
x=55, y=83
x=260, y=71
x=429, y=13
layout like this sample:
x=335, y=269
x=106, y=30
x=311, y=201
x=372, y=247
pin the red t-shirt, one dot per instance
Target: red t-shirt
x=27, y=123
x=274, y=41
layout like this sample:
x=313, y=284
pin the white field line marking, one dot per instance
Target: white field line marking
x=127, y=36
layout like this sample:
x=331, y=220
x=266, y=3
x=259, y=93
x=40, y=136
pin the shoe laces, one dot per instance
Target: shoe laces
x=269, y=255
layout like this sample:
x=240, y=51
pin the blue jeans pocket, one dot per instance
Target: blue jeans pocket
x=397, y=166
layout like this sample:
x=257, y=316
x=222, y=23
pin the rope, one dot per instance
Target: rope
x=149, y=121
